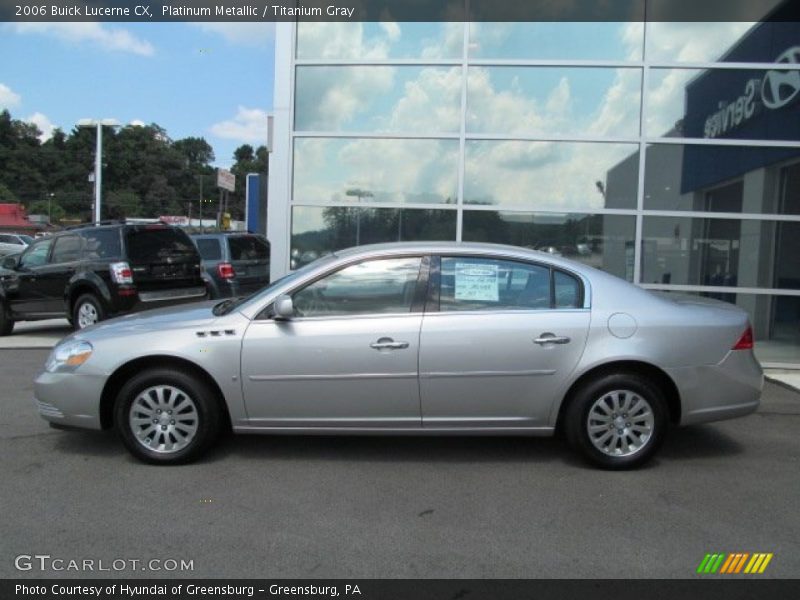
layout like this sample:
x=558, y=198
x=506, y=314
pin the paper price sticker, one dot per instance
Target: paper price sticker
x=476, y=282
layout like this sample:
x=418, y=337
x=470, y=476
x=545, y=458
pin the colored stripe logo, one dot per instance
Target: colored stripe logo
x=734, y=563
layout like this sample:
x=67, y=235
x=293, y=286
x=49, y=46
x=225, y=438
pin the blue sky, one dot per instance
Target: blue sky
x=211, y=80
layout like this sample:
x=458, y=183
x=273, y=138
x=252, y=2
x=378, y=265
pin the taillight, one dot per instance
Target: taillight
x=121, y=273
x=225, y=271
x=746, y=341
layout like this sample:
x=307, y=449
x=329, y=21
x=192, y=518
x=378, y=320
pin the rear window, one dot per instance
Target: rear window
x=248, y=247
x=156, y=244
x=209, y=249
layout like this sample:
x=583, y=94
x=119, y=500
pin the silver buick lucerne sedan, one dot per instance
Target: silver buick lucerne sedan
x=413, y=338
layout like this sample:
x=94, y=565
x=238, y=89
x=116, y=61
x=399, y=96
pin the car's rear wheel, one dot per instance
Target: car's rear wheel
x=166, y=416
x=617, y=421
x=6, y=322
x=87, y=311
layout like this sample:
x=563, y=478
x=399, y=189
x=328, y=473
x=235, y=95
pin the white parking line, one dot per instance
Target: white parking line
x=36, y=334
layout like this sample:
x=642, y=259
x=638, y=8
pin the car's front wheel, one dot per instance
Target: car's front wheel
x=166, y=416
x=6, y=322
x=617, y=421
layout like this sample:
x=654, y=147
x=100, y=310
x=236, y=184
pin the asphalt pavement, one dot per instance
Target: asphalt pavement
x=275, y=506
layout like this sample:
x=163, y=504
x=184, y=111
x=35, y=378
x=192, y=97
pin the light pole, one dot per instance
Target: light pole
x=359, y=193
x=98, y=158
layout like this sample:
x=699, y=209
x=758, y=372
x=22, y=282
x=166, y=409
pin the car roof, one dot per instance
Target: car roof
x=394, y=248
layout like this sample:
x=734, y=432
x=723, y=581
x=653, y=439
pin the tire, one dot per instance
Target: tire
x=87, y=311
x=628, y=418
x=6, y=322
x=153, y=434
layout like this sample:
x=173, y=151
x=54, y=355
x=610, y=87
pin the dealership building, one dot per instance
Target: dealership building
x=667, y=153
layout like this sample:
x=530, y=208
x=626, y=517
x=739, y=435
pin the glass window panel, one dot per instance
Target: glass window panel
x=388, y=99
x=370, y=287
x=102, y=243
x=554, y=100
x=66, y=249
x=557, y=40
x=469, y=283
x=602, y=241
x=209, y=249
x=379, y=40
x=319, y=230
x=721, y=252
x=774, y=320
x=551, y=175
x=376, y=170
x=721, y=178
x=36, y=254
x=567, y=290
x=732, y=41
x=723, y=104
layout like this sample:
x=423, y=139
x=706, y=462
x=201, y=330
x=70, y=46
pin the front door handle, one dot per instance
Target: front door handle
x=386, y=343
x=551, y=338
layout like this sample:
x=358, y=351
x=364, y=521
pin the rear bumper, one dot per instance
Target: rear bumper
x=726, y=390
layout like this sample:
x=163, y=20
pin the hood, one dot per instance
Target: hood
x=160, y=320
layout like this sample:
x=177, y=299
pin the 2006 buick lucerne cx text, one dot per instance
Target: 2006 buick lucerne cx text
x=413, y=338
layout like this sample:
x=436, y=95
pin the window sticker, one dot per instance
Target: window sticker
x=477, y=282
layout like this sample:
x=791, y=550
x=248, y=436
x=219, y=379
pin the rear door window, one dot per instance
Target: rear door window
x=209, y=248
x=248, y=247
x=66, y=249
x=472, y=283
x=152, y=245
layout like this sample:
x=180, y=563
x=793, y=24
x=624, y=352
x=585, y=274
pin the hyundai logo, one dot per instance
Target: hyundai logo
x=779, y=88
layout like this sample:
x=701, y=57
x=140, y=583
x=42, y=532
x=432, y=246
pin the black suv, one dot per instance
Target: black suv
x=93, y=272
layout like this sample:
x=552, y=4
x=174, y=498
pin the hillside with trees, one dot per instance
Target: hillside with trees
x=145, y=173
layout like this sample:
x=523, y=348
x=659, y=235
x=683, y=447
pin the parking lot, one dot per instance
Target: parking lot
x=398, y=507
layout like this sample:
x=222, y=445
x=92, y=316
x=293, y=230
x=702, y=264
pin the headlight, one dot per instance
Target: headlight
x=68, y=356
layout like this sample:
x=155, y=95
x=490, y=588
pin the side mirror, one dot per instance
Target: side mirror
x=10, y=262
x=283, y=308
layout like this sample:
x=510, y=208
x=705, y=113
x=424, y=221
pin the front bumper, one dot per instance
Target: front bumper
x=726, y=390
x=70, y=399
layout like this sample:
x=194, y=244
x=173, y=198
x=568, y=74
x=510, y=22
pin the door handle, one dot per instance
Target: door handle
x=550, y=338
x=388, y=344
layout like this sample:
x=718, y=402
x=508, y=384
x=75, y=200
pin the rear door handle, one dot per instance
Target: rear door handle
x=550, y=338
x=388, y=344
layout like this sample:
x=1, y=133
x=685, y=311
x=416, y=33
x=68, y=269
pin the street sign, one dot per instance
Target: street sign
x=226, y=180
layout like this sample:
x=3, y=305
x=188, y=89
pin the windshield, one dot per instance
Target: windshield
x=27, y=239
x=227, y=306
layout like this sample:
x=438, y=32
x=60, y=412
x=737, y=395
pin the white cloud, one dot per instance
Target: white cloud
x=692, y=42
x=137, y=123
x=391, y=29
x=116, y=40
x=249, y=126
x=8, y=97
x=243, y=34
x=44, y=124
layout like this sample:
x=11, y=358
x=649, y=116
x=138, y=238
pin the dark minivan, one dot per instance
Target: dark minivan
x=93, y=272
x=235, y=263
